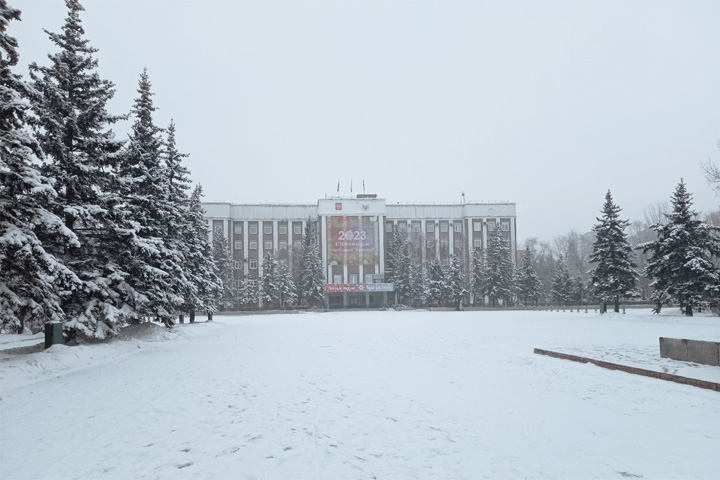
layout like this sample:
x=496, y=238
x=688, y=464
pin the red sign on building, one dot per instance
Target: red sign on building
x=338, y=206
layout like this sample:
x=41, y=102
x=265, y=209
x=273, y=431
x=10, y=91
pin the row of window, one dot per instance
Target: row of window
x=253, y=245
x=267, y=229
x=457, y=227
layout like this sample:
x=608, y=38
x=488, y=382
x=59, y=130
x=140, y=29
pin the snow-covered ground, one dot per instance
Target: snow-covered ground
x=386, y=395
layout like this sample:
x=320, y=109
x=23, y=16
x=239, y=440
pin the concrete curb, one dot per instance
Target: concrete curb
x=637, y=371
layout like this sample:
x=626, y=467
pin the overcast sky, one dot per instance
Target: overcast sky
x=545, y=104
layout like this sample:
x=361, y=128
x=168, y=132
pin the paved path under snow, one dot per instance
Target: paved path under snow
x=383, y=395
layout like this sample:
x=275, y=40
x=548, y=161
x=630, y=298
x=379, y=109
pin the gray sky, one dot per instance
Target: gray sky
x=546, y=104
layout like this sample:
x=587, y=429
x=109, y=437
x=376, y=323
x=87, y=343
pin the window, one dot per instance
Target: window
x=443, y=227
x=337, y=279
x=445, y=262
x=353, y=278
x=253, y=245
x=505, y=226
x=296, y=245
x=430, y=227
x=267, y=229
x=368, y=278
x=477, y=226
x=253, y=264
x=389, y=226
x=253, y=229
x=430, y=242
x=267, y=245
x=238, y=228
x=237, y=265
x=491, y=226
x=402, y=227
x=238, y=245
x=443, y=244
x=458, y=243
x=458, y=227
x=283, y=245
x=282, y=230
x=297, y=230
x=416, y=228
x=477, y=243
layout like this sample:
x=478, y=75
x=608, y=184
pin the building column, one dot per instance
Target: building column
x=276, y=234
x=261, y=247
x=246, y=253
x=423, y=235
x=484, y=233
x=381, y=247
x=451, y=238
x=437, y=240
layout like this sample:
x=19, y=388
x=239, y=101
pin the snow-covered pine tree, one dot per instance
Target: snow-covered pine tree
x=31, y=279
x=562, y=285
x=247, y=293
x=479, y=276
x=436, y=285
x=179, y=226
x=614, y=275
x=73, y=127
x=313, y=276
x=498, y=284
x=456, y=282
x=199, y=260
x=156, y=263
x=270, y=283
x=222, y=259
x=286, y=285
x=680, y=258
x=419, y=280
x=402, y=267
x=529, y=284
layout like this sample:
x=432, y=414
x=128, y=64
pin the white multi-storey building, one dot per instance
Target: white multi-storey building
x=353, y=235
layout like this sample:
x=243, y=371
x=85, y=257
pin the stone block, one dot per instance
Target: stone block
x=703, y=352
x=674, y=348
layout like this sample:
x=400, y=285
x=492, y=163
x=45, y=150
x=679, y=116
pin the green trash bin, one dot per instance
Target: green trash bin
x=53, y=334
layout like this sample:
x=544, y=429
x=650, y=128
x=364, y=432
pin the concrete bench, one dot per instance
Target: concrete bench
x=697, y=351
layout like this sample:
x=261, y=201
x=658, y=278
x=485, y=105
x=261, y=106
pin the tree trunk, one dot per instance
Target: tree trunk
x=209, y=315
x=688, y=310
x=192, y=316
x=617, y=303
x=181, y=318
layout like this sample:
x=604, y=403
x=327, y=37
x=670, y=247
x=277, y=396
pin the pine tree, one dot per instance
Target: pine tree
x=312, y=277
x=222, y=260
x=155, y=261
x=498, y=285
x=31, y=278
x=286, y=285
x=680, y=262
x=402, y=267
x=73, y=127
x=179, y=227
x=456, y=282
x=199, y=260
x=270, y=282
x=562, y=285
x=419, y=280
x=436, y=285
x=529, y=283
x=479, y=276
x=614, y=276
x=248, y=293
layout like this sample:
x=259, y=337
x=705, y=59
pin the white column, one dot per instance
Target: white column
x=451, y=241
x=322, y=227
x=276, y=234
x=423, y=235
x=484, y=233
x=381, y=246
x=361, y=273
x=437, y=240
x=513, y=246
x=246, y=253
x=261, y=247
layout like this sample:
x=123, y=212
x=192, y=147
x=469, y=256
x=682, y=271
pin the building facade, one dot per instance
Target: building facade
x=354, y=234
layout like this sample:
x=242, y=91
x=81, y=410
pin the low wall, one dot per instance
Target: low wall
x=697, y=351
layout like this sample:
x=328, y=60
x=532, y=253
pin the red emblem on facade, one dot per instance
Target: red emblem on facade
x=338, y=206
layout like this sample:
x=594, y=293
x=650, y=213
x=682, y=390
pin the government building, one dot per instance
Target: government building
x=354, y=235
